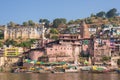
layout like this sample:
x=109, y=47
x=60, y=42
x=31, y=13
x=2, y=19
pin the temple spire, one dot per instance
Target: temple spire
x=84, y=30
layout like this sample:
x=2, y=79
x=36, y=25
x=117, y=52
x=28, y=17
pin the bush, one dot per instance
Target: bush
x=118, y=62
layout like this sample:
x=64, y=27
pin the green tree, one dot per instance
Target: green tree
x=54, y=37
x=112, y=13
x=1, y=44
x=54, y=31
x=92, y=15
x=118, y=62
x=81, y=60
x=11, y=24
x=1, y=34
x=106, y=58
x=25, y=45
x=101, y=14
x=58, y=21
x=31, y=41
x=78, y=21
x=46, y=22
x=10, y=42
x=71, y=22
x=31, y=23
x=25, y=23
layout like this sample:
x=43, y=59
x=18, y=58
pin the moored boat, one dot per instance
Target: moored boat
x=99, y=69
x=85, y=68
x=118, y=70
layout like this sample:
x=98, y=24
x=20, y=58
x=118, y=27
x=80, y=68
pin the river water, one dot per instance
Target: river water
x=59, y=76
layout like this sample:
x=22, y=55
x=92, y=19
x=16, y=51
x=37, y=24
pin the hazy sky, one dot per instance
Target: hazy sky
x=19, y=11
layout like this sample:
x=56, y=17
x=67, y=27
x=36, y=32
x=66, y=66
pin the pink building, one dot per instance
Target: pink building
x=60, y=53
x=101, y=49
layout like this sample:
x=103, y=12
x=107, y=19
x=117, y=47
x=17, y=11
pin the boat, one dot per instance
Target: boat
x=71, y=69
x=58, y=70
x=85, y=68
x=117, y=70
x=99, y=69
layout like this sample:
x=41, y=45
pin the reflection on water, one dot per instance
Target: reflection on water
x=59, y=76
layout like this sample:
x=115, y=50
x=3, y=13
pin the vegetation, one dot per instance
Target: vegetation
x=25, y=23
x=54, y=37
x=101, y=14
x=31, y=23
x=54, y=31
x=1, y=44
x=118, y=62
x=10, y=42
x=11, y=24
x=46, y=21
x=27, y=44
x=1, y=35
x=58, y=21
x=112, y=13
x=105, y=58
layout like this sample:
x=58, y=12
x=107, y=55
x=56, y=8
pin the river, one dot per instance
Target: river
x=59, y=76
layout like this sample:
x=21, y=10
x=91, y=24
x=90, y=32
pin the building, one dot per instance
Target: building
x=101, y=49
x=58, y=53
x=22, y=32
x=70, y=46
x=67, y=48
x=10, y=56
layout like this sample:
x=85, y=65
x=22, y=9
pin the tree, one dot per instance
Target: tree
x=58, y=21
x=54, y=31
x=31, y=23
x=106, y=58
x=92, y=15
x=71, y=22
x=46, y=22
x=1, y=34
x=11, y=24
x=25, y=23
x=54, y=37
x=25, y=45
x=81, y=60
x=101, y=14
x=78, y=20
x=112, y=13
x=10, y=42
x=31, y=41
x=1, y=44
x=118, y=62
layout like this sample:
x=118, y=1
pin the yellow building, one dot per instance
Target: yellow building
x=11, y=52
